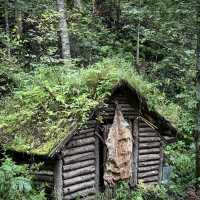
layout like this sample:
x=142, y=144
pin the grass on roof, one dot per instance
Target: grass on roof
x=43, y=108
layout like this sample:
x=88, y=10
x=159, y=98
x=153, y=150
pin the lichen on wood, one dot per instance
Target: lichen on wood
x=119, y=143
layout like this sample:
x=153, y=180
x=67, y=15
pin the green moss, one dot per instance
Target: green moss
x=40, y=113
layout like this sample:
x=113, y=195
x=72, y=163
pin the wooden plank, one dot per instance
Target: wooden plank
x=149, y=179
x=77, y=150
x=135, y=151
x=149, y=145
x=79, y=172
x=148, y=134
x=97, y=164
x=44, y=172
x=86, y=130
x=149, y=168
x=81, y=142
x=149, y=151
x=79, y=187
x=148, y=174
x=149, y=163
x=161, y=163
x=80, y=136
x=146, y=129
x=149, y=139
x=58, y=182
x=149, y=157
x=82, y=193
x=78, y=165
x=79, y=158
x=79, y=179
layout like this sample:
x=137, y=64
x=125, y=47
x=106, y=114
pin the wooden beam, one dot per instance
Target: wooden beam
x=58, y=182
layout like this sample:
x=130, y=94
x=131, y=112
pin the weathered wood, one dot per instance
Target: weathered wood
x=149, y=179
x=58, y=182
x=74, y=166
x=149, y=168
x=79, y=172
x=79, y=157
x=161, y=163
x=82, y=193
x=149, y=151
x=135, y=157
x=149, y=139
x=78, y=187
x=148, y=174
x=97, y=163
x=148, y=134
x=86, y=130
x=78, y=150
x=81, y=135
x=81, y=142
x=149, y=157
x=146, y=129
x=44, y=172
x=79, y=179
x=149, y=163
x=149, y=145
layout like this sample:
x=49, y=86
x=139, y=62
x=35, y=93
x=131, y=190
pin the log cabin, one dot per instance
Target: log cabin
x=75, y=167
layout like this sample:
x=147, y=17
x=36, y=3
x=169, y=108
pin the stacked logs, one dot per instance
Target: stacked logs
x=149, y=154
x=79, y=164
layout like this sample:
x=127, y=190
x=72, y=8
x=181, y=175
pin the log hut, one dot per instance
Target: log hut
x=76, y=165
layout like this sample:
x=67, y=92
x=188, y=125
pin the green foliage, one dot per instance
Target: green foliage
x=48, y=101
x=16, y=183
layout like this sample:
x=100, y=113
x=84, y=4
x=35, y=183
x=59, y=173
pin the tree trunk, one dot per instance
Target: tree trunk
x=197, y=139
x=18, y=19
x=7, y=26
x=78, y=4
x=63, y=29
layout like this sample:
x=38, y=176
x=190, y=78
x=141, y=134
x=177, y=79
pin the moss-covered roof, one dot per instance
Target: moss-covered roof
x=47, y=104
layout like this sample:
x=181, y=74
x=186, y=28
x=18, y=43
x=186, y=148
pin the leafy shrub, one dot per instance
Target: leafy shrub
x=16, y=183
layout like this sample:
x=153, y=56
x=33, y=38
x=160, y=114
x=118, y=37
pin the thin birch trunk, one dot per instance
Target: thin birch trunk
x=138, y=41
x=18, y=19
x=78, y=4
x=63, y=29
x=7, y=27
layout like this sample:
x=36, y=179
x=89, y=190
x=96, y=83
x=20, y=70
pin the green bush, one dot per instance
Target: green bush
x=16, y=183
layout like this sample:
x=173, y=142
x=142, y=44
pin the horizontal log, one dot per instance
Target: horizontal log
x=148, y=174
x=148, y=134
x=149, y=163
x=44, y=172
x=149, y=157
x=91, y=197
x=148, y=168
x=86, y=130
x=79, y=179
x=82, y=193
x=81, y=136
x=146, y=129
x=81, y=142
x=78, y=187
x=79, y=158
x=78, y=150
x=78, y=172
x=78, y=165
x=149, y=151
x=149, y=179
x=149, y=145
x=149, y=139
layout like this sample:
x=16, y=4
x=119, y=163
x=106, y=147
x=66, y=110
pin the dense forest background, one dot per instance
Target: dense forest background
x=42, y=41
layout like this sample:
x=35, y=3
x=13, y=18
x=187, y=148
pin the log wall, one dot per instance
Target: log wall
x=79, y=169
x=149, y=154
